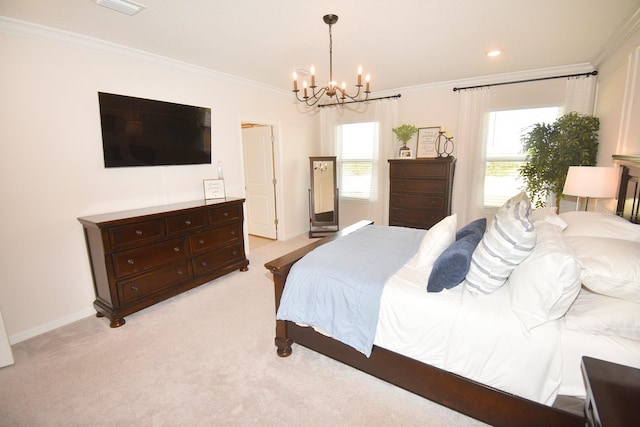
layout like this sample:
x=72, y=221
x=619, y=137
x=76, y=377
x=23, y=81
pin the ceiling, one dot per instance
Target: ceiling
x=401, y=43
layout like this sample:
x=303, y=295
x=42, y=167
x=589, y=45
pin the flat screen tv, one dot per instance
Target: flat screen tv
x=144, y=132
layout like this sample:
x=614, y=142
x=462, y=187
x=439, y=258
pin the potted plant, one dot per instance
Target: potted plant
x=404, y=133
x=572, y=140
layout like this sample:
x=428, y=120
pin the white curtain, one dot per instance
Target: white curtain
x=580, y=95
x=385, y=113
x=470, y=151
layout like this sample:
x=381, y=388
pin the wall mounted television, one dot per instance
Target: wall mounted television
x=144, y=132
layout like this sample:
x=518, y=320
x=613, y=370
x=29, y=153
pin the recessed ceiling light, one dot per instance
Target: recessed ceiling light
x=124, y=6
x=495, y=52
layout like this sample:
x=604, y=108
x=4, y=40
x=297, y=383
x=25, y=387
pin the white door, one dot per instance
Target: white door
x=259, y=177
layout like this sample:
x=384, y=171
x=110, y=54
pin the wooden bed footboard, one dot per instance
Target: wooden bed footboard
x=469, y=397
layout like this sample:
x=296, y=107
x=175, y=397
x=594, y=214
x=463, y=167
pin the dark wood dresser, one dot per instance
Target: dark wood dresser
x=613, y=393
x=420, y=191
x=141, y=257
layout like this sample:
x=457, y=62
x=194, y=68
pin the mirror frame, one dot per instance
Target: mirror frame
x=319, y=228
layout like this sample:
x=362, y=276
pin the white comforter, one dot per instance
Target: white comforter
x=480, y=338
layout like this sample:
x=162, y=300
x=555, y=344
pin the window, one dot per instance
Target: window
x=356, y=145
x=504, y=150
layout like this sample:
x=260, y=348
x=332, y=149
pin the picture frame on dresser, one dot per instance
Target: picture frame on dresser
x=427, y=139
x=213, y=189
x=406, y=154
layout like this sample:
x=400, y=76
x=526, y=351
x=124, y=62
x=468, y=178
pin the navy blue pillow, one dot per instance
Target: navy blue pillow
x=452, y=265
x=474, y=227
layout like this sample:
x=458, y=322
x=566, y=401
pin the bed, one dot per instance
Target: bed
x=493, y=379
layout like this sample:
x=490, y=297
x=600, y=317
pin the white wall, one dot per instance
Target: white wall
x=51, y=167
x=618, y=102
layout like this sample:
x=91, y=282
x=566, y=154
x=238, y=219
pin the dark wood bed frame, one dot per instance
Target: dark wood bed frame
x=466, y=396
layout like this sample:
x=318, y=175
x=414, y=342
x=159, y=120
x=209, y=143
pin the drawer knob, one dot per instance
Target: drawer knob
x=130, y=261
x=138, y=232
x=433, y=202
x=179, y=272
x=226, y=214
x=187, y=222
x=133, y=288
x=203, y=263
x=201, y=242
x=233, y=233
x=176, y=249
x=234, y=253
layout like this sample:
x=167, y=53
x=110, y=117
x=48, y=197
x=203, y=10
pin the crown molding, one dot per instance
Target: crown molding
x=53, y=35
x=618, y=39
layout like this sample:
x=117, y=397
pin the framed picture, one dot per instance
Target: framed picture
x=427, y=140
x=213, y=189
x=406, y=154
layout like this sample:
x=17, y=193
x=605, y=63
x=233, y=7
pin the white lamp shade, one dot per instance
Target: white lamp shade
x=591, y=181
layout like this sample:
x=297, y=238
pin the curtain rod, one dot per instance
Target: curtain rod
x=591, y=73
x=353, y=102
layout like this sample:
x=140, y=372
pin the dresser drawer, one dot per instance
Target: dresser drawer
x=153, y=281
x=184, y=223
x=146, y=257
x=418, y=186
x=402, y=200
x=225, y=214
x=215, y=260
x=418, y=170
x=137, y=234
x=217, y=237
x=426, y=218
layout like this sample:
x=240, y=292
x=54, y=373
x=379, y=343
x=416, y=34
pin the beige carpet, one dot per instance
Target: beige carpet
x=203, y=358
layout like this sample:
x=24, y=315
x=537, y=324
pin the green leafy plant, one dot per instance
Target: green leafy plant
x=405, y=132
x=572, y=140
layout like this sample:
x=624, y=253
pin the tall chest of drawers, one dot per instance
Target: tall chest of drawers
x=420, y=191
x=141, y=257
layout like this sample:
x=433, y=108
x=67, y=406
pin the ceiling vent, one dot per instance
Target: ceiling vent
x=124, y=6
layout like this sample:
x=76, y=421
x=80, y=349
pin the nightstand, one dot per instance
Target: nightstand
x=613, y=393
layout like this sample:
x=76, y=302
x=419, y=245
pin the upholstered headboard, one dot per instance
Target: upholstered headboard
x=629, y=192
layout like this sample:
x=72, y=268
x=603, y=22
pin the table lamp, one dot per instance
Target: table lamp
x=591, y=182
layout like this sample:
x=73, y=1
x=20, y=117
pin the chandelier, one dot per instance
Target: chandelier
x=312, y=94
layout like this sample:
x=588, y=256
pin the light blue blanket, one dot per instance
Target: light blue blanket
x=337, y=287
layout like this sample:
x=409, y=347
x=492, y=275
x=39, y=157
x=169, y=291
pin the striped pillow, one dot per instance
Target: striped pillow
x=508, y=241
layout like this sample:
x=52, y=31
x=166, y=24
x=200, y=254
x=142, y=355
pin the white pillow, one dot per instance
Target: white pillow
x=545, y=284
x=548, y=214
x=508, y=240
x=435, y=241
x=599, y=224
x=609, y=266
x=603, y=315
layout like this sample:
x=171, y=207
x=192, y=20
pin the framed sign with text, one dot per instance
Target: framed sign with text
x=213, y=189
x=427, y=139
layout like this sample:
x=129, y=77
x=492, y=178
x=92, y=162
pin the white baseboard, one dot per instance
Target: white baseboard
x=50, y=326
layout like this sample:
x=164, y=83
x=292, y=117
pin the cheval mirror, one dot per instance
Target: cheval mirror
x=323, y=197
